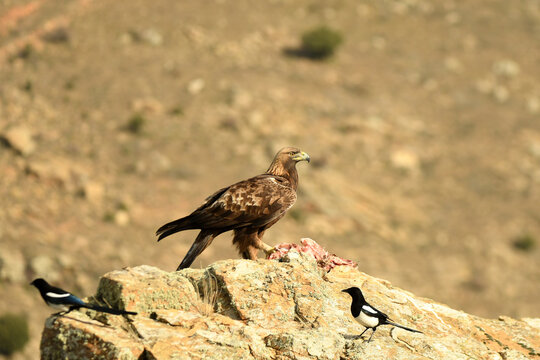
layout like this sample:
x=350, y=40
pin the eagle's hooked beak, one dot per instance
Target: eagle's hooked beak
x=301, y=156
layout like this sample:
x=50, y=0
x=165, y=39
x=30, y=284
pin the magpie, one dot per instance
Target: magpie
x=67, y=302
x=367, y=315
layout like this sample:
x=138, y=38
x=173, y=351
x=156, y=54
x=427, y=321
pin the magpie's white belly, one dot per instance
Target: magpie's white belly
x=58, y=306
x=367, y=321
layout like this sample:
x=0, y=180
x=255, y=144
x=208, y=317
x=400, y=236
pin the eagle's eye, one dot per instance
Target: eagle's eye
x=291, y=153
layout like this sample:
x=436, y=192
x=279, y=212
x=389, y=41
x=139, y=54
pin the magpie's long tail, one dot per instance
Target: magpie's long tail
x=109, y=310
x=403, y=327
x=201, y=242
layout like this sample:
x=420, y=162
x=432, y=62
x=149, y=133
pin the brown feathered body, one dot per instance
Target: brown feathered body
x=248, y=207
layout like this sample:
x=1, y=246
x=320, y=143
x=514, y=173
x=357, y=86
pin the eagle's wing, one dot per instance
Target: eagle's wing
x=252, y=202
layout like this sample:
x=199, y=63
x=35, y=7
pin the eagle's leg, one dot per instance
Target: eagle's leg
x=246, y=240
x=249, y=243
x=266, y=248
x=252, y=250
x=250, y=253
x=262, y=245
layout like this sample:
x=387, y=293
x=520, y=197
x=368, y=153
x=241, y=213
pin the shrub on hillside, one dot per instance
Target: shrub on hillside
x=13, y=333
x=321, y=42
x=524, y=243
x=136, y=123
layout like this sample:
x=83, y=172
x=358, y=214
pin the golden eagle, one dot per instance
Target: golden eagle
x=248, y=207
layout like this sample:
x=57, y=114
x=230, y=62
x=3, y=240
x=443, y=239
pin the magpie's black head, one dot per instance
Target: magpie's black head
x=39, y=283
x=355, y=293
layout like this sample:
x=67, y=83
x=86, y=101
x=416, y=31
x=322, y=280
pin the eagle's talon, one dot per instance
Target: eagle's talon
x=270, y=251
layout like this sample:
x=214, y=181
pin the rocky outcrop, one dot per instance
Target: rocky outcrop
x=268, y=309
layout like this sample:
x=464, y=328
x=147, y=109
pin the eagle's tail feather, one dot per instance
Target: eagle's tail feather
x=175, y=226
x=403, y=327
x=201, y=242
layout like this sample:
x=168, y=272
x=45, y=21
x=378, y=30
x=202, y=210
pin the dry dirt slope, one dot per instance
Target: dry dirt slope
x=424, y=130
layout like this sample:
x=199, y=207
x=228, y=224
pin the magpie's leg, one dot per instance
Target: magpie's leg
x=64, y=312
x=57, y=315
x=355, y=337
x=369, y=340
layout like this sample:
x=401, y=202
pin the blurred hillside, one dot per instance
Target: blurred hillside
x=424, y=131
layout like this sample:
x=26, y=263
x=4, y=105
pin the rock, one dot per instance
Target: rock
x=20, y=139
x=501, y=93
x=485, y=85
x=56, y=33
x=533, y=322
x=56, y=170
x=164, y=290
x=12, y=265
x=147, y=106
x=405, y=160
x=129, y=37
x=75, y=339
x=256, y=120
x=196, y=34
x=307, y=344
x=121, y=218
x=195, y=86
x=267, y=309
x=159, y=162
x=534, y=148
x=93, y=192
x=453, y=64
x=152, y=36
x=453, y=18
x=65, y=261
x=507, y=68
x=240, y=99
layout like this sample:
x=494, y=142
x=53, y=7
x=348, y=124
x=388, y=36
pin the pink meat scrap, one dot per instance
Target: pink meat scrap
x=324, y=259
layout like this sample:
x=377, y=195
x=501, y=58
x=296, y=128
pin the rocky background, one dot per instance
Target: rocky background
x=240, y=309
x=424, y=130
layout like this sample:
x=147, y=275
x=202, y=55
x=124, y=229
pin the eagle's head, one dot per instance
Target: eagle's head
x=291, y=155
x=284, y=163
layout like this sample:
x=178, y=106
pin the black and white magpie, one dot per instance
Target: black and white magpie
x=66, y=302
x=367, y=315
